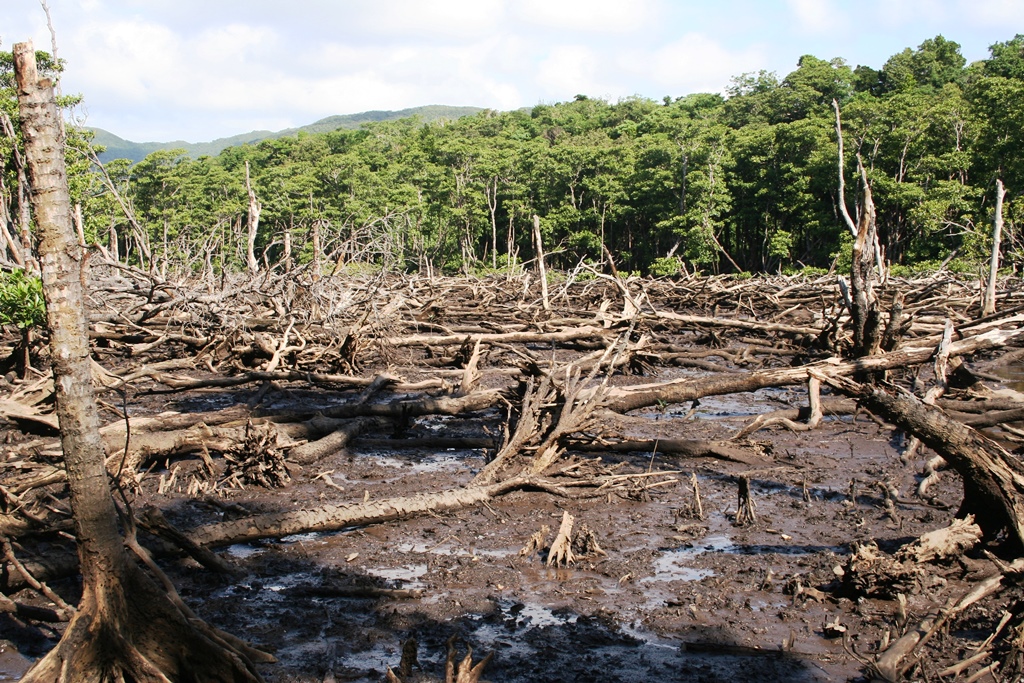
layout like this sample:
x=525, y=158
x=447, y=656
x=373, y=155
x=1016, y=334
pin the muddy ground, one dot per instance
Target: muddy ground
x=676, y=597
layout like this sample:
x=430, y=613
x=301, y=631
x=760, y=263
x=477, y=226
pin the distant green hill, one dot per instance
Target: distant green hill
x=119, y=148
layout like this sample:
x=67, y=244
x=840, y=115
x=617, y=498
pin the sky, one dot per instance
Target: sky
x=196, y=70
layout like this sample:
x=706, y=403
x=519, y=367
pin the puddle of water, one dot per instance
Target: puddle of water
x=1013, y=375
x=377, y=658
x=723, y=544
x=719, y=543
x=733, y=405
x=408, y=574
x=449, y=550
x=516, y=619
x=243, y=550
x=258, y=592
x=634, y=630
x=669, y=567
x=450, y=459
x=295, y=538
x=537, y=616
x=13, y=664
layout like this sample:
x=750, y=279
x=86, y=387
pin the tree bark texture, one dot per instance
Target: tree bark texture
x=988, y=306
x=124, y=627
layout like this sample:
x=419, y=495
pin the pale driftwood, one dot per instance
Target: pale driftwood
x=538, y=245
x=344, y=431
x=316, y=378
x=813, y=418
x=733, y=323
x=939, y=388
x=988, y=300
x=560, y=553
x=586, y=332
x=675, y=448
x=950, y=541
x=335, y=517
x=13, y=410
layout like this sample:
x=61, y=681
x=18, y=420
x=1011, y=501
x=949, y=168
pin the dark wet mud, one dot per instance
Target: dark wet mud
x=676, y=597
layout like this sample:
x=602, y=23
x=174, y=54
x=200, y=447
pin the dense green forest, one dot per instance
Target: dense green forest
x=745, y=182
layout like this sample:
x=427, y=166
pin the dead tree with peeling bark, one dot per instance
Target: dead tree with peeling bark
x=125, y=627
x=862, y=300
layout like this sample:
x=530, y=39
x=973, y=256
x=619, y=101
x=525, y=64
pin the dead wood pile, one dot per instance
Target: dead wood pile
x=364, y=358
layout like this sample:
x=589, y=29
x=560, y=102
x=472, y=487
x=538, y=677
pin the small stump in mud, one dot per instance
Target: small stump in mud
x=258, y=461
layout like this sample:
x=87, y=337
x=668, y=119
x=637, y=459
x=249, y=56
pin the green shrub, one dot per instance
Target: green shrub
x=21, y=300
x=666, y=266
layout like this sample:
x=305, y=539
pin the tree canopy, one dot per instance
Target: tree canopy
x=744, y=181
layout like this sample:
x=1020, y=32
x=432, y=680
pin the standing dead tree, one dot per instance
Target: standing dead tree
x=252, y=225
x=861, y=299
x=125, y=627
x=988, y=302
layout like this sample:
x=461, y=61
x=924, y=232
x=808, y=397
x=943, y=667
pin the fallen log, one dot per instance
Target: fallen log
x=336, y=517
x=674, y=448
x=993, y=479
x=561, y=336
x=625, y=399
x=344, y=431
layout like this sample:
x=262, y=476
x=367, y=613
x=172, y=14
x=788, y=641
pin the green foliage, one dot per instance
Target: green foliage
x=805, y=271
x=741, y=183
x=669, y=266
x=21, y=300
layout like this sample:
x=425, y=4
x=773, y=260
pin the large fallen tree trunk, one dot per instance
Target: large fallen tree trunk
x=993, y=479
x=335, y=517
x=624, y=399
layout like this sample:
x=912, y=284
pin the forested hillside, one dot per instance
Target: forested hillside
x=119, y=148
x=742, y=182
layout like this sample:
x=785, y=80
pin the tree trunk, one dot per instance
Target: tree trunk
x=253, y=225
x=334, y=517
x=538, y=243
x=993, y=479
x=867, y=321
x=125, y=628
x=863, y=303
x=988, y=306
x=316, y=265
x=24, y=214
x=286, y=255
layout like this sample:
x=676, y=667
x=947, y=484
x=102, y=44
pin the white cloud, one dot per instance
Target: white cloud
x=695, y=63
x=130, y=59
x=999, y=13
x=892, y=14
x=611, y=16
x=568, y=70
x=235, y=43
x=815, y=16
x=424, y=21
